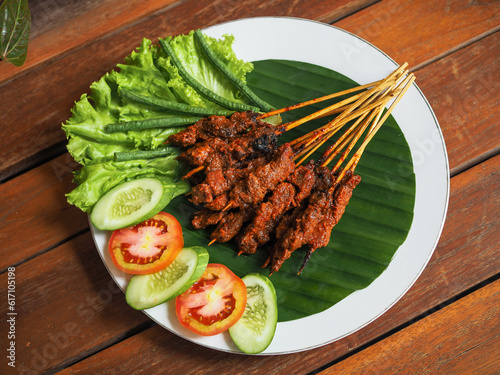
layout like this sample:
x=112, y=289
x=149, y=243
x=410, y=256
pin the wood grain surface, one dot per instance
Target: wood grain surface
x=44, y=108
x=72, y=318
x=462, y=335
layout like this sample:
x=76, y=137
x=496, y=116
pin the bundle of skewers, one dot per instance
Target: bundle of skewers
x=260, y=193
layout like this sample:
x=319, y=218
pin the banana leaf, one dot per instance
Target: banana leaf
x=376, y=221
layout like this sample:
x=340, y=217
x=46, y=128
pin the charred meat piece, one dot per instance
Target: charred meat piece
x=257, y=184
x=206, y=218
x=214, y=126
x=218, y=203
x=203, y=152
x=259, y=231
x=259, y=140
x=215, y=184
x=219, y=181
x=314, y=224
x=230, y=224
x=304, y=179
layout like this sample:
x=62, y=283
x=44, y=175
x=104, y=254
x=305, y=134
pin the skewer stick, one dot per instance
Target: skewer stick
x=192, y=172
x=315, y=143
x=342, y=119
x=318, y=114
x=332, y=151
x=353, y=139
x=351, y=165
x=228, y=206
x=317, y=100
x=385, y=84
x=380, y=84
x=319, y=137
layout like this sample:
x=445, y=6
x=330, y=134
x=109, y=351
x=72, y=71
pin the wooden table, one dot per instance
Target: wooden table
x=71, y=318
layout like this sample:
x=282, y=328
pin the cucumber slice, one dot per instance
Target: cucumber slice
x=129, y=203
x=254, y=331
x=145, y=291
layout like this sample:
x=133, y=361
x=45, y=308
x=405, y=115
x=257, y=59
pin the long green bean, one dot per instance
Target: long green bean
x=152, y=123
x=173, y=106
x=146, y=154
x=240, y=85
x=202, y=90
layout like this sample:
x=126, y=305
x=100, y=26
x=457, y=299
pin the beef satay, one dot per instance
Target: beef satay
x=307, y=179
x=231, y=223
x=214, y=126
x=311, y=222
x=304, y=180
x=323, y=180
x=205, y=218
x=201, y=153
x=266, y=216
x=245, y=146
x=219, y=181
x=313, y=227
x=343, y=195
x=252, y=189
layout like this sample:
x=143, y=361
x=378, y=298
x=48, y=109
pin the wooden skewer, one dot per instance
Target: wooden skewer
x=353, y=139
x=193, y=171
x=342, y=119
x=361, y=98
x=351, y=165
x=228, y=206
x=311, y=142
x=332, y=151
x=317, y=100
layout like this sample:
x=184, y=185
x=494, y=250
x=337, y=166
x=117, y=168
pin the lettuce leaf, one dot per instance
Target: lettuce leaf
x=95, y=180
x=200, y=68
x=148, y=72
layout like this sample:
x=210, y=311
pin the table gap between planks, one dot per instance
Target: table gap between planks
x=74, y=318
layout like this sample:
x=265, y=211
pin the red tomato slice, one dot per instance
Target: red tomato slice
x=214, y=303
x=147, y=247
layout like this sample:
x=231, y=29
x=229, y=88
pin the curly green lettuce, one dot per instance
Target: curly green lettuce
x=95, y=180
x=148, y=72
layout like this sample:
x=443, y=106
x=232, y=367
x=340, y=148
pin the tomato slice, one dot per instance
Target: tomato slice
x=214, y=303
x=147, y=247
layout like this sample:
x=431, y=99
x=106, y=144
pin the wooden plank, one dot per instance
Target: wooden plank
x=48, y=94
x=59, y=26
x=34, y=212
x=53, y=179
x=420, y=31
x=465, y=257
x=461, y=338
x=53, y=33
x=464, y=91
x=66, y=305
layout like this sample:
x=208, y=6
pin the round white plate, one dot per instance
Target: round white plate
x=317, y=43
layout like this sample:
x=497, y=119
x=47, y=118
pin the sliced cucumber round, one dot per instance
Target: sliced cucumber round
x=254, y=331
x=145, y=291
x=129, y=203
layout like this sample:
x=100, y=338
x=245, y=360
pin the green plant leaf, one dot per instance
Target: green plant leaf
x=376, y=221
x=15, y=25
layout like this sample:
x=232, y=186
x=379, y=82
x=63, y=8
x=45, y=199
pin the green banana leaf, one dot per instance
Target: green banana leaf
x=376, y=221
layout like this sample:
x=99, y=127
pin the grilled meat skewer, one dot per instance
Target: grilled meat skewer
x=314, y=225
x=214, y=126
x=287, y=195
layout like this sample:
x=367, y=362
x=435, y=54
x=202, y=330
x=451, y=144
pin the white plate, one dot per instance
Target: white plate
x=317, y=43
